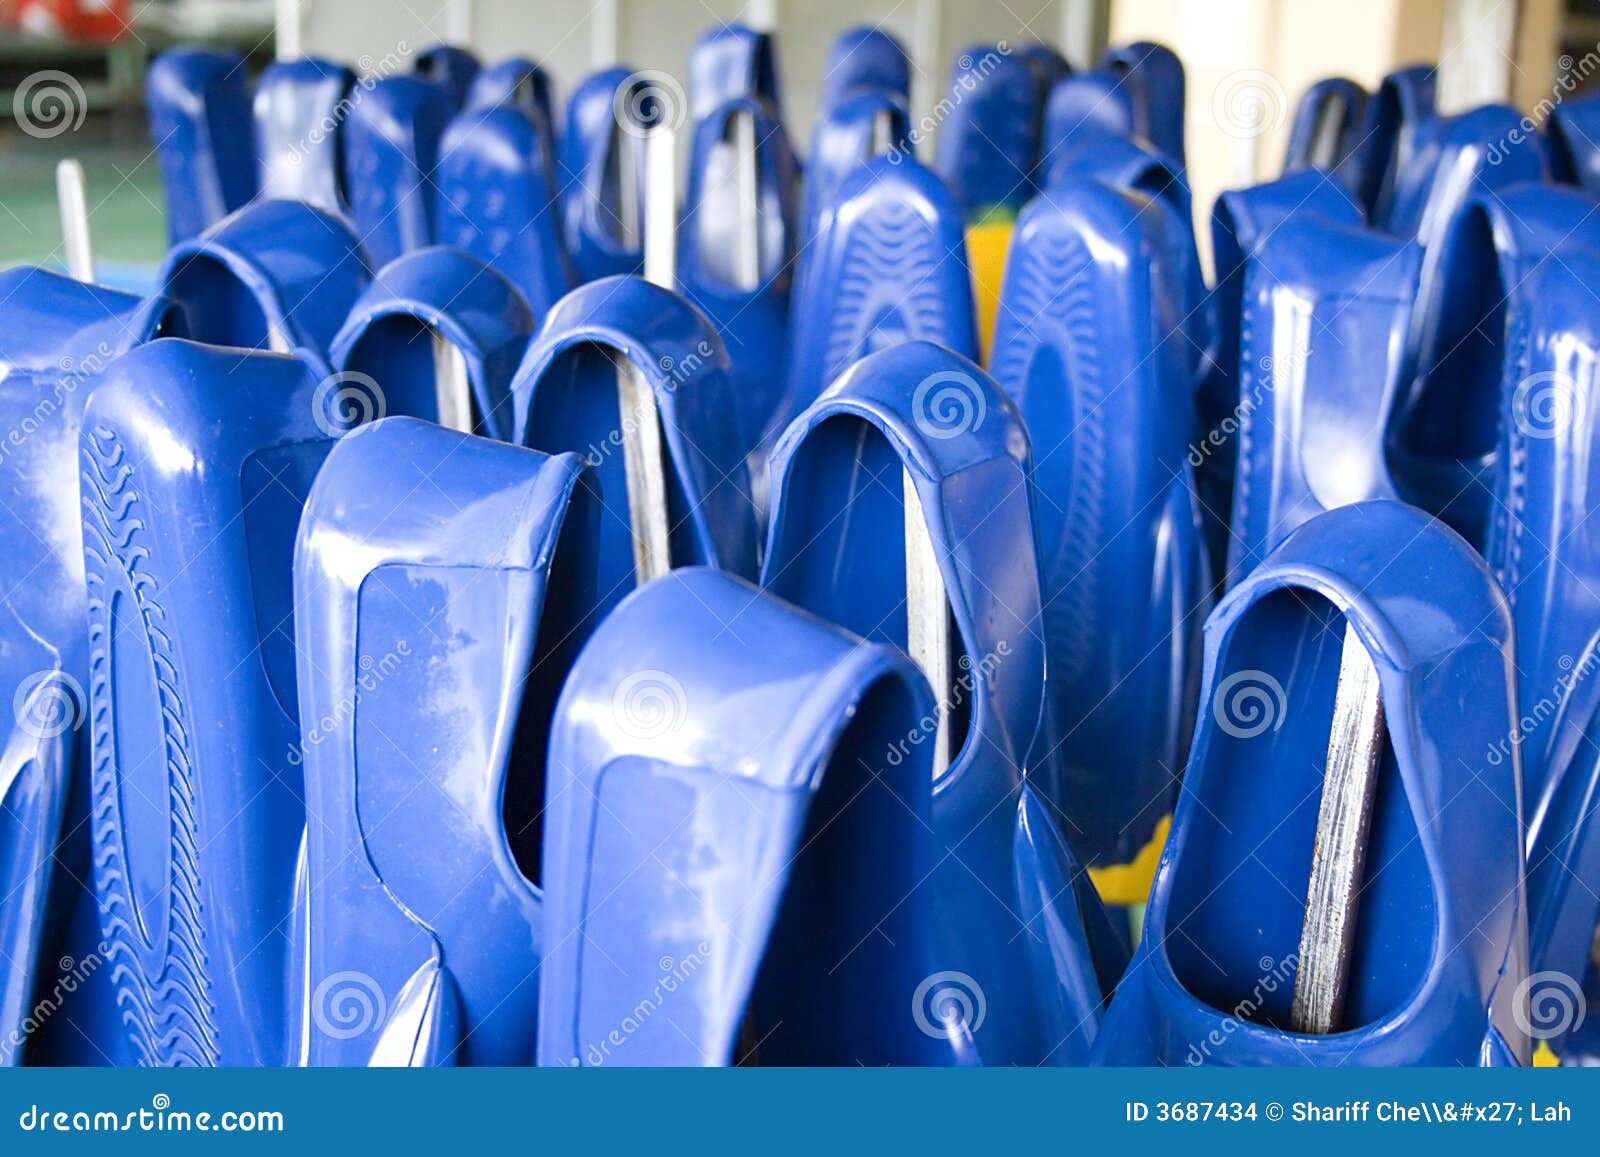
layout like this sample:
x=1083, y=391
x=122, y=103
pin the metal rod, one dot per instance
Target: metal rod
x=927, y=618
x=626, y=156
x=747, y=237
x=452, y=384
x=641, y=419
x=288, y=41
x=603, y=45
x=1329, y=132
x=926, y=75
x=881, y=133
x=1355, y=745
x=73, y=201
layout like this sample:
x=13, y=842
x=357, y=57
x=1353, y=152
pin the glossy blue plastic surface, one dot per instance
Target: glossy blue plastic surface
x=1326, y=133
x=1153, y=74
x=887, y=265
x=297, y=116
x=865, y=57
x=732, y=62
x=391, y=141
x=199, y=105
x=1088, y=343
x=1092, y=102
x=196, y=461
x=590, y=151
x=842, y=139
x=57, y=336
x=566, y=400
x=276, y=273
x=444, y=583
x=753, y=323
x=1326, y=307
x=385, y=351
x=732, y=828
x=836, y=548
x=1543, y=547
x=516, y=81
x=1442, y=443
x=1448, y=159
x=1404, y=98
x=1241, y=220
x=1440, y=932
x=494, y=200
x=451, y=68
x=1048, y=65
x=1574, y=154
x=988, y=144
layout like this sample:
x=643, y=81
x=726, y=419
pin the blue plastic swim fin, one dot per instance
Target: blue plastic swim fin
x=602, y=167
x=195, y=464
x=1404, y=98
x=452, y=69
x=1092, y=103
x=521, y=83
x=444, y=584
x=1431, y=946
x=1447, y=160
x=860, y=126
x=1326, y=134
x=920, y=422
x=199, y=105
x=57, y=338
x=276, y=275
x=865, y=57
x=391, y=142
x=299, y=105
x=1573, y=144
x=732, y=62
x=1089, y=344
x=1153, y=74
x=437, y=335
x=988, y=145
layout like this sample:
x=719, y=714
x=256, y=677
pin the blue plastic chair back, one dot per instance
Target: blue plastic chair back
x=196, y=461
x=299, y=107
x=1326, y=308
x=836, y=548
x=1326, y=134
x=592, y=150
x=1439, y=939
x=519, y=82
x=384, y=355
x=452, y=69
x=1095, y=103
x=1153, y=75
x=753, y=321
x=277, y=275
x=865, y=57
x=1574, y=156
x=444, y=585
x=887, y=265
x=732, y=62
x=495, y=200
x=199, y=105
x=57, y=337
x=1048, y=65
x=391, y=142
x=728, y=831
x=1443, y=440
x=988, y=144
x=566, y=399
x=1088, y=343
x=1404, y=98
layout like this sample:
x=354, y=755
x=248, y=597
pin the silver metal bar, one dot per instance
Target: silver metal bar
x=643, y=463
x=73, y=202
x=452, y=385
x=1355, y=745
x=289, y=33
x=881, y=142
x=628, y=191
x=927, y=617
x=1328, y=133
x=747, y=236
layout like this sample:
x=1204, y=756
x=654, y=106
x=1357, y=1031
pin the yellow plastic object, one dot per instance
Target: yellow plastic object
x=987, y=242
x=1130, y=883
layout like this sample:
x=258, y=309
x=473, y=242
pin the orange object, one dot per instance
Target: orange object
x=96, y=20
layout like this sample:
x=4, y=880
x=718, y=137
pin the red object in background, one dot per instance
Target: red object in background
x=70, y=19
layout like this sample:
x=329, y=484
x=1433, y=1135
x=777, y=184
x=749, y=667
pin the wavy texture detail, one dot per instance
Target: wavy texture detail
x=162, y=988
x=1508, y=517
x=1054, y=298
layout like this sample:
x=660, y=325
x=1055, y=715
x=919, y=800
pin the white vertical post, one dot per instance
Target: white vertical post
x=747, y=236
x=458, y=23
x=73, y=201
x=603, y=45
x=927, y=618
x=762, y=15
x=927, y=66
x=289, y=41
x=452, y=385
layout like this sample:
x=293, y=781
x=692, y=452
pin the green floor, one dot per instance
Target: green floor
x=125, y=198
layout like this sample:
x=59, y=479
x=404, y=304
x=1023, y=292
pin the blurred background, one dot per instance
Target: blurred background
x=1247, y=61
